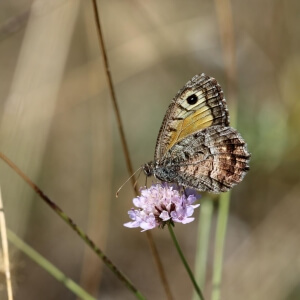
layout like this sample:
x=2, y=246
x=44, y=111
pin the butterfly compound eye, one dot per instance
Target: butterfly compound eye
x=192, y=99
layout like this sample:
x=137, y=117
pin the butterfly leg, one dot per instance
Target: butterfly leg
x=181, y=189
x=185, y=193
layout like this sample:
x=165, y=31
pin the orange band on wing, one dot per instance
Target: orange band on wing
x=200, y=119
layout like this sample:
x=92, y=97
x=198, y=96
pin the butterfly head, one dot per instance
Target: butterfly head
x=148, y=168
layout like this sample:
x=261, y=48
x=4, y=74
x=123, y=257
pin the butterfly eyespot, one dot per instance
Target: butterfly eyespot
x=192, y=99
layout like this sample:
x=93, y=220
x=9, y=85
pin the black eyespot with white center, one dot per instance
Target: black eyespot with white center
x=192, y=99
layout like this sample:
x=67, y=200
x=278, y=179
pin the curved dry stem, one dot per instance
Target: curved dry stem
x=5, y=251
x=153, y=248
x=113, y=94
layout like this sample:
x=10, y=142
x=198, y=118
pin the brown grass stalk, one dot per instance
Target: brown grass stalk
x=152, y=245
x=5, y=251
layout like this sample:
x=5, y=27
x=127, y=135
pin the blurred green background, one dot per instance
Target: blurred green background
x=58, y=126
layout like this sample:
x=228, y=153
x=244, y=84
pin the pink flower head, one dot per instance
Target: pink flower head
x=159, y=204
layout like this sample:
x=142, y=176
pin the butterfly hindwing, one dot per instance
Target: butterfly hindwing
x=185, y=117
x=213, y=159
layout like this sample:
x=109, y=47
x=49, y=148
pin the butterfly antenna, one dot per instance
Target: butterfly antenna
x=117, y=193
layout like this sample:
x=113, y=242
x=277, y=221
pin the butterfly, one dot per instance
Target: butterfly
x=196, y=148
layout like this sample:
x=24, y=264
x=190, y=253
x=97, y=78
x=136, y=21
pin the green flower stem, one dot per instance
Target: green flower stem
x=185, y=262
x=224, y=15
x=224, y=202
x=204, y=227
x=49, y=267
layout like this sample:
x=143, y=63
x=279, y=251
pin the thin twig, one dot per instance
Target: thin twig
x=71, y=223
x=153, y=248
x=113, y=94
x=5, y=251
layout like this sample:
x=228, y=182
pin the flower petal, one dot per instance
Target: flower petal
x=165, y=216
x=161, y=203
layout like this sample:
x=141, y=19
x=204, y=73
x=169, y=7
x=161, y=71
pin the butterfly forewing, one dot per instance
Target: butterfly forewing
x=198, y=105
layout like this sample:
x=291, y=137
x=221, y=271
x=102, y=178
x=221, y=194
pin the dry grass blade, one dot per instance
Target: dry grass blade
x=5, y=251
x=153, y=248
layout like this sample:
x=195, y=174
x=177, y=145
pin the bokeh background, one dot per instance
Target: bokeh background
x=57, y=124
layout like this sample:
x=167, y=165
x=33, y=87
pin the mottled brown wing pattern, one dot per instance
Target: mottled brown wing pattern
x=213, y=159
x=183, y=118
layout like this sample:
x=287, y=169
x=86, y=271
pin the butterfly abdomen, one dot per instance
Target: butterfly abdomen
x=166, y=172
